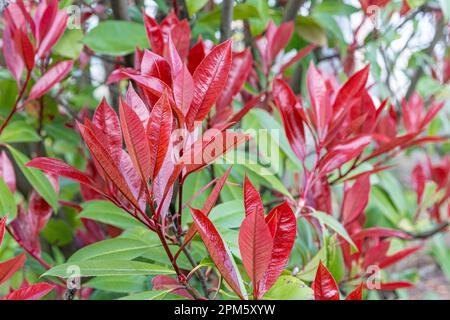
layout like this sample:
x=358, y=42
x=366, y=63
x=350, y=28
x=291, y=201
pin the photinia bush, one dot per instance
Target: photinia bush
x=294, y=158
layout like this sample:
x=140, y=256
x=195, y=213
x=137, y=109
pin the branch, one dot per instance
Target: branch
x=419, y=72
x=291, y=9
x=429, y=233
x=120, y=12
x=226, y=19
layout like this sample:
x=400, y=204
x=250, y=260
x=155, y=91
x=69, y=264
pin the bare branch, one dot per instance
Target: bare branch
x=226, y=19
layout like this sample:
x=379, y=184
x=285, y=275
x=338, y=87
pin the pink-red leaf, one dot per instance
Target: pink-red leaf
x=159, y=129
x=252, y=199
x=324, y=285
x=379, y=232
x=135, y=140
x=154, y=34
x=2, y=228
x=255, y=245
x=218, y=251
x=183, y=89
x=283, y=228
x=50, y=78
x=399, y=255
x=7, y=172
x=210, y=78
x=356, y=294
x=9, y=268
x=32, y=292
x=355, y=200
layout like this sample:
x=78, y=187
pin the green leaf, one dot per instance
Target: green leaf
x=289, y=288
x=36, y=178
x=19, y=131
x=111, y=249
x=98, y=268
x=332, y=223
x=240, y=11
x=57, y=232
x=70, y=45
x=309, y=271
x=335, y=8
x=154, y=295
x=195, y=5
x=106, y=212
x=116, y=38
x=7, y=202
x=310, y=30
x=123, y=284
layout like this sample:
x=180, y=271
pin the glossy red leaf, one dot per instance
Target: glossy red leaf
x=389, y=286
x=375, y=254
x=399, y=255
x=50, y=78
x=379, y=232
x=432, y=112
x=213, y=144
x=27, y=49
x=159, y=129
x=32, y=292
x=105, y=118
x=320, y=100
x=252, y=199
x=62, y=169
x=283, y=228
x=7, y=172
x=218, y=251
x=278, y=37
x=163, y=282
x=138, y=106
x=342, y=153
x=210, y=78
x=355, y=200
x=2, y=228
x=57, y=27
x=351, y=88
x=136, y=141
x=104, y=160
x=183, y=89
x=12, y=54
x=209, y=203
x=292, y=115
x=241, y=65
x=156, y=66
x=9, y=267
x=412, y=112
x=324, y=285
x=255, y=245
x=181, y=35
x=196, y=55
x=356, y=294
x=154, y=34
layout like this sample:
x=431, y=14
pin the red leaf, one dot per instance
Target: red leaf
x=324, y=285
x=136, y=141
x=399, y=255
x=283, y=227
x=156, y=66
x=378, y=232
x=138, y=106
x=9, y=267
x=7, y=172
x=159, y=129
x=342, y=153
x=209, y=147
x=389, y=286
x=11, y=52
x=181, y=34
x=183, y=89
x=209, y=79
x=32, y=292
x=252, y=199
x=196, y=55
x=241, y=65
x=104, y=160
x=154, y=34
x=163, y=282
x=105, y=118
x=255, y=245
x=320, y=100
x=50, y=78
x=298, y=56
x=412, y=112
x=218, y=251
x=351, y=88
x=375, y=254
x=173, y=57
x=26, y=49
x=356, y=294
x=209, y=203
x=57, y=27
x=292, y=116
x=2, y=228
x=278, y=38
x=355, y=200
x=62, y=169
